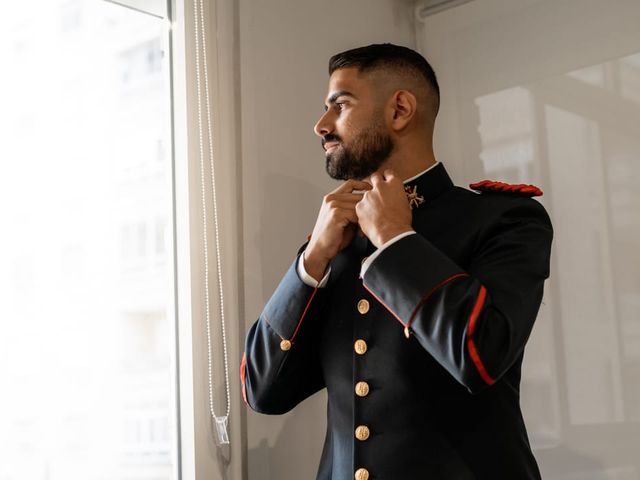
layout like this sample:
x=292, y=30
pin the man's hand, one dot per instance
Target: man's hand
x=335, y=227
x=384, y=211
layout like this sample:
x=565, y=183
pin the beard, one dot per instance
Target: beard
x=363, y=156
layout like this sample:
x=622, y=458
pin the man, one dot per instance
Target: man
x=412, y=300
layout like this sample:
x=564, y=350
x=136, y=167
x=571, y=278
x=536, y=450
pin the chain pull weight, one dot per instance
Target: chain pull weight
x=220, y=423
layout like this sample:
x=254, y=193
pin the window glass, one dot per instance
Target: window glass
x=86, y=317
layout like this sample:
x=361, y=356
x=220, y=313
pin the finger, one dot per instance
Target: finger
x=337, y=204
x=351, y=185
x=345, y=197
x=375, y=178
x=348, y=214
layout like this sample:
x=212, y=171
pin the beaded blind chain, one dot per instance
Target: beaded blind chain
x=220, y=423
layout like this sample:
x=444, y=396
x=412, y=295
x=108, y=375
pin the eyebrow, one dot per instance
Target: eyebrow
x=342, y=93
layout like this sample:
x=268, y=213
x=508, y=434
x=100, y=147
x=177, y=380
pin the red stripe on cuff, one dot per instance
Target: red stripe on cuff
x=384, y=305
x=475, y=313
x=471, y=346
x=304, y=313
x=422, y=301
x=478, y=363
x=426, y=297
x=243, y=373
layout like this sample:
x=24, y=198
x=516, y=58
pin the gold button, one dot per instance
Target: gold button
x=362, y=474
x=363, y=306
x=362, y=389
x=285, y=345
x=360, y=347
x=362, y=433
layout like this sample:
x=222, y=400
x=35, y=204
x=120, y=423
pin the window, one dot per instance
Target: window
x=86, y=323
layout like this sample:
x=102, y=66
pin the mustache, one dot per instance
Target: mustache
x=330, y=137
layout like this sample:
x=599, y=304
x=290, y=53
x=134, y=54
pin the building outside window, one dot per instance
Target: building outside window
x=86, y=285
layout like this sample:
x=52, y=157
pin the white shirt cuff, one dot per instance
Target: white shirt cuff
x=308, y=279
x=370, y=259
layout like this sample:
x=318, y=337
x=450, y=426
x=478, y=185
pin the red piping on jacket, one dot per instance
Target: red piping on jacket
x=426, y=297
x=422, y=301
x=471, y=346
x=304, y=313
x=384, y=304
x=243, y=373
x=313, y=294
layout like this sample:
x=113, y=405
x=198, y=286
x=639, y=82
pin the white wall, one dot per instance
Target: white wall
x=548, y=92
x=284, y=50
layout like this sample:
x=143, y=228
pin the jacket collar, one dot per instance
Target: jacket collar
x=428, y=185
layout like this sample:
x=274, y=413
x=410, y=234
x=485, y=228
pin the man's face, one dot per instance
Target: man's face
x=352, y=129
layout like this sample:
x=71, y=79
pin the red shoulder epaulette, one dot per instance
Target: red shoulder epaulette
x=517, y=189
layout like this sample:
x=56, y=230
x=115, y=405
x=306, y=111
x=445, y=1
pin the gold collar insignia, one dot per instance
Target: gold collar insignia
x=415, y=200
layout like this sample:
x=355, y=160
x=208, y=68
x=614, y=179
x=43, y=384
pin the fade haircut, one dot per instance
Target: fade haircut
x=391, y=58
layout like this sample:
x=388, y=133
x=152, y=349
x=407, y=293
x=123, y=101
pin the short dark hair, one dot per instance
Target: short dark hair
x=387, y=55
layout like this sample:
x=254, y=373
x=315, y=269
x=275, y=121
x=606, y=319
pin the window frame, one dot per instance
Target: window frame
x=198, y=456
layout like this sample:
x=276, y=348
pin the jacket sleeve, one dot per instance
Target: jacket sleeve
x=475, y=323
x=281, y=366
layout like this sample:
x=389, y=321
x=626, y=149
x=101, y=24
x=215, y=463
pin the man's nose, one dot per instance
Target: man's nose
x=323, y=126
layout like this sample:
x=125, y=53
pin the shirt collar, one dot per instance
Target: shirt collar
x=412, y=179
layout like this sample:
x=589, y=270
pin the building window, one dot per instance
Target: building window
x=86, y=339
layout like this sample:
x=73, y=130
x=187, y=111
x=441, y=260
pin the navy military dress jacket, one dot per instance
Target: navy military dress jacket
x=421, y=358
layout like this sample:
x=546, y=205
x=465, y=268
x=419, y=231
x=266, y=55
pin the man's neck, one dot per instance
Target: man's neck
x=409, y=163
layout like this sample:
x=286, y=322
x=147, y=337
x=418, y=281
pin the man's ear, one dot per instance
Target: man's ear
x=403, y=106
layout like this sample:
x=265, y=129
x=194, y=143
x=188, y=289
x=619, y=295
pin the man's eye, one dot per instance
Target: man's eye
x=339, y=105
